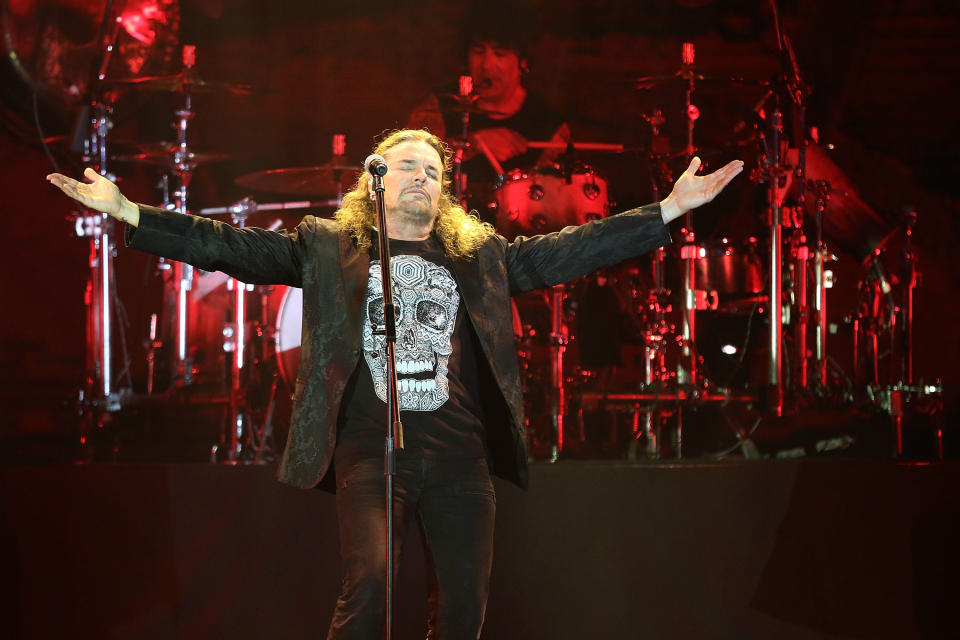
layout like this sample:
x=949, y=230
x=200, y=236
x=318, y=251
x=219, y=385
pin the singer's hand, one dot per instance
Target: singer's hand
x=503, y=143
x=690, y=190
x=99, y=194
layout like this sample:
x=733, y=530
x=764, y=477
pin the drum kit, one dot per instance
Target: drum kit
x=242, y=342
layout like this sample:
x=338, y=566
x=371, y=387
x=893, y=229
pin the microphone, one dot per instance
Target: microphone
x=375, y=164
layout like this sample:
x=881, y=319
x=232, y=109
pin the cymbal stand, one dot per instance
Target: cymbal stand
x=801, y=256
x=656, y=374
x=461, y=144
x=182, y=272
x=875, y=312
x=688, y=369
x=797, y=91
x=910, y=278
x=266, y=335
x=99, y=395
x=775, y=367
x=795, y=308
x=822, y=191
x=235, y=341
x=100, y=229
x=559, y=338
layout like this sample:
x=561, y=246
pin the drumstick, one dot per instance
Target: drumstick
x=492, y=160
x=579, y=146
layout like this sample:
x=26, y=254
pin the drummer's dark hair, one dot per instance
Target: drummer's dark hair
x=512, y=24
x=460, y=233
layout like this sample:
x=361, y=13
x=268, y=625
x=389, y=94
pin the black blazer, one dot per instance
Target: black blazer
x=325, y=262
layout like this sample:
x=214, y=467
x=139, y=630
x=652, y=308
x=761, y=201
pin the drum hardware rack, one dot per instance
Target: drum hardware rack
x=668, y=387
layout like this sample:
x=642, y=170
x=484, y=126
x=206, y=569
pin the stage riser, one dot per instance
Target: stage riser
x=800, y=549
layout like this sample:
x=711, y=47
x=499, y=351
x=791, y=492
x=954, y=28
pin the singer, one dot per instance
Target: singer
x=459, y=390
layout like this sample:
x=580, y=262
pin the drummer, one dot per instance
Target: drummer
x=496, y=39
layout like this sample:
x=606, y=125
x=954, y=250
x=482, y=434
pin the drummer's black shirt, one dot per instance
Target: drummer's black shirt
x=535, y=121
x=436, y=364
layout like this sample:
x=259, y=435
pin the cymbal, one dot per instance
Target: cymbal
x=681, y=77
x=185, y=82
x=163, y=154
x=113, y=144
x=324, y=180
x=849, y=222
x=465, y=105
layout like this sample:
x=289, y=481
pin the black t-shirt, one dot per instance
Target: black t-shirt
x=437, y=369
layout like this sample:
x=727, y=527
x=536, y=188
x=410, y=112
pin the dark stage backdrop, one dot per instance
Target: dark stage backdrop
x=882, y=73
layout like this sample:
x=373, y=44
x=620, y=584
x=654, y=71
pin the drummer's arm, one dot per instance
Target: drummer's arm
x=560, y=137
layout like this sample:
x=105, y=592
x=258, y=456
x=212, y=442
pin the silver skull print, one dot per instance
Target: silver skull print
x=426, y=300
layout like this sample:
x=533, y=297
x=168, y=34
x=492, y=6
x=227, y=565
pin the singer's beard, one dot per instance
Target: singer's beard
x=416, y=214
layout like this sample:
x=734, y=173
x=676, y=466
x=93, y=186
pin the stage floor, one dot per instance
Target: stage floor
x=738, y=549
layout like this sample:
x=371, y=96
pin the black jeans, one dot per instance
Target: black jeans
x=455, y=505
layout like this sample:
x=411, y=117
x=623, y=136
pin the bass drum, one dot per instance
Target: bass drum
x=548, y=199
x=271, y=379
x=289, y=323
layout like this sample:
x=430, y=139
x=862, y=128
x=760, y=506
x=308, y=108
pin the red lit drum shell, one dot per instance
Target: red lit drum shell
x=735, y=271
x=210, y=310
x=724, y=268
x=543, y=200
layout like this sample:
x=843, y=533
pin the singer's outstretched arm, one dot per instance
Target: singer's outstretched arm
x=691, y=191
x=99, y=194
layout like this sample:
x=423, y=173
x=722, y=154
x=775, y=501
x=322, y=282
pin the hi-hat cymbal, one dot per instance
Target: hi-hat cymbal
x=164, y=154
x=185, y=82
x=328, y=179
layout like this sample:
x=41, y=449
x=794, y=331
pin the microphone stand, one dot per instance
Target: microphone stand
x=394, y=440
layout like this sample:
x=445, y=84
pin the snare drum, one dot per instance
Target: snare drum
x=548, y=199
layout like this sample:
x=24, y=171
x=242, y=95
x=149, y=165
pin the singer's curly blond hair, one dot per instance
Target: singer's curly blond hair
x=460, y=233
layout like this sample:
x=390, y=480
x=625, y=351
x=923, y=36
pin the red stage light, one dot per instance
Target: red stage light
x=138, y=22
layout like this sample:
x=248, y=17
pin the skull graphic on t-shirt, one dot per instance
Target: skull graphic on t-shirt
x=426, y=300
